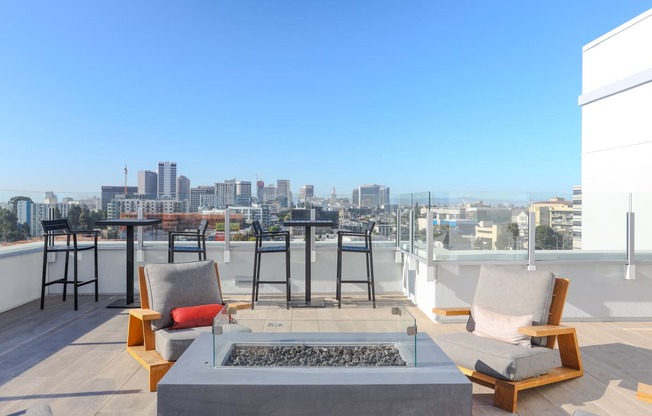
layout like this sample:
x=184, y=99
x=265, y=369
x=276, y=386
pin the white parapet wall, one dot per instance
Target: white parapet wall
x=21, y=270
x=597, y=291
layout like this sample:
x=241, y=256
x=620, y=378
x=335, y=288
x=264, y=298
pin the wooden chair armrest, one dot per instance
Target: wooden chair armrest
x=145, y=314
x=238, y=305
x=644, y=392
x=452, y=311
x=546, y=330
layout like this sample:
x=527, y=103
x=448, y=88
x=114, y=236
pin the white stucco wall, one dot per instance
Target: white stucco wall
x=617, y=135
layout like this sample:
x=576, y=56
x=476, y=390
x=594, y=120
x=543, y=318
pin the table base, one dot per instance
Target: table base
x=313, y=303
x=122, y=304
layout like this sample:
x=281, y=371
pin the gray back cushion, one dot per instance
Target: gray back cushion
x=173, y=285
x=515, y=292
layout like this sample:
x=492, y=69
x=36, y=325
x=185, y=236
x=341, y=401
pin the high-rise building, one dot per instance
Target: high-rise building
x=269, y=194
x=110, y=192
x=306, y=193
x=225, y=193
x=183, y=188
x=369, y=196
x=259, y=190
x=384, y=195
x=283, y=193
x=167, y=180
x=355, y=197
x=196, y=196
x=51, y=198
x=243, y=193
x=147, y=183
x=577, y=217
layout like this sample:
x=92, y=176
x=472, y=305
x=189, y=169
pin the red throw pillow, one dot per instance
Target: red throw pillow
x=192, y=316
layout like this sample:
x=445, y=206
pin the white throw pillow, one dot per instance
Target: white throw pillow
x=501, y=327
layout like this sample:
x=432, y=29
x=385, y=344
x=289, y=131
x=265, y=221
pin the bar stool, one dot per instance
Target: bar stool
x=265, y=249
x=59, y=228
x=364, y=248
x=199, y=235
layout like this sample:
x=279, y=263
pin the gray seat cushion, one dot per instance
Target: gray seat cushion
x=518, y=292
x=171, y=344
x=173, y=285
x=496, y=358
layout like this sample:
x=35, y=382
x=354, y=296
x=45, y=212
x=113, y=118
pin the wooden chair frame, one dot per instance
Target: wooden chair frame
x=505, y=391
x=644, y=392
x=140, y=336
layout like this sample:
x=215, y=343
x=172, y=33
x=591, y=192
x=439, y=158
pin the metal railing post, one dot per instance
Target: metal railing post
x=430, y=240
x=313, y=253
x=227, y=235
x=630, y=267
x=531, y=240
x=411, y=230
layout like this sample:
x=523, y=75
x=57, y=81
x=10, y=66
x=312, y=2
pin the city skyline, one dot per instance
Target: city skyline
x=463, y=96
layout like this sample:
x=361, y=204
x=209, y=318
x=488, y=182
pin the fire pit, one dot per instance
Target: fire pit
x=433, y=385
x=302, y=355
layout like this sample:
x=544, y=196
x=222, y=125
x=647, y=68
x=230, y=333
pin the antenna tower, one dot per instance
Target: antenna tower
x=126, y=180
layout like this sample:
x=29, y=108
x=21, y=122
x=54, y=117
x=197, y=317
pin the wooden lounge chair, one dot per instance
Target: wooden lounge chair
x=163, y=287
x=491, y=361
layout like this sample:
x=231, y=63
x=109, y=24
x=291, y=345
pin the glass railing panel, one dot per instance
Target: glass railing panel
x=480, y=226
x=467, y=226
x=642, y=209
x=404, y=234
x=420, y=224
x=553, y=224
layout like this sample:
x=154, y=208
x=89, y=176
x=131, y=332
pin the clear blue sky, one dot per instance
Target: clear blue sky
x=417, y=95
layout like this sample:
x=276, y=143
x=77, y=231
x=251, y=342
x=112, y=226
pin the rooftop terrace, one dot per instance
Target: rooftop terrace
x=76, y=362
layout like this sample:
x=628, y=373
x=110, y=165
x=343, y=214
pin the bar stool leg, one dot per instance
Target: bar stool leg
x=338, y=291
x=45, y=267
x=373, y=284
x=288, y=284
x=75, y=279
x=65, y=275
x=97, y=280
x=254, y=281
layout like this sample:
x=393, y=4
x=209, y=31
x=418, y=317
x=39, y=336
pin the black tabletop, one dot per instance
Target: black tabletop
x=308, y=223
x=127, y=222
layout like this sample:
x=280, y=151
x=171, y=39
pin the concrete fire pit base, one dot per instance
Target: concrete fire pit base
x=193, y=386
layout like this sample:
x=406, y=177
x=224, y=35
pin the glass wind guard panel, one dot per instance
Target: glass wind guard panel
x=389, y=321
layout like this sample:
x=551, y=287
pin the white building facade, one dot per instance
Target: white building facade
x=616, y=105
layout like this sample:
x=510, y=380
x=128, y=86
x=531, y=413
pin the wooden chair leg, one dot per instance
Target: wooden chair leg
x=135, y=332
x=644, y=392
x=505, y=396
x=569, y=351
x=156, y=373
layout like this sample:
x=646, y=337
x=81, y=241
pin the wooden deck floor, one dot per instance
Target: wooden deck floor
x=76, y=362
